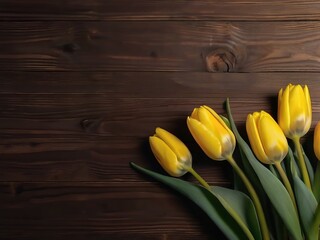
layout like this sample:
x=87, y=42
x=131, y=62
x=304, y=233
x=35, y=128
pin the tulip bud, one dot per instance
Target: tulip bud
x=174, y=157
x=267, y=140
x=211, y=133
x=316, y=140
x=294, y=110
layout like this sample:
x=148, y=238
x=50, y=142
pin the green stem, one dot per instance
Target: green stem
x=302, y=164
x=199, y=178
x=286, y=183
x=254, y=196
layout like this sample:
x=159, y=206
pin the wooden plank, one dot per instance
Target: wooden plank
x=80, y=116
x=151, y=46
x=90, y=130
x=96, y=104
x=99, y=159
x=46, y=152
x=251, y=10
x=154, y=85
x=107, y=210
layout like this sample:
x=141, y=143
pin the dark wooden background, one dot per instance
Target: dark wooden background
x=84, y=83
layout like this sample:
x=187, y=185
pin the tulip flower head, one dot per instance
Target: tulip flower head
x=267, y=140
x=211, y=133
x=294, y=110
x=316, y=140
x=172, y=154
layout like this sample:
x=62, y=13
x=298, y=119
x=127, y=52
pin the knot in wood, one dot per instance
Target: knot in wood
x=90, y=125
x=220, y=60
x=70, y=47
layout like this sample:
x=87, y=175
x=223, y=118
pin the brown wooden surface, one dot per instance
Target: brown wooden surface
x=84, y=83
x=271, y=10
x=160, y=46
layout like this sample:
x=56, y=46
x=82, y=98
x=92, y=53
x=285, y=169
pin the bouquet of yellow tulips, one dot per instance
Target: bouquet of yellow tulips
x=268, y=176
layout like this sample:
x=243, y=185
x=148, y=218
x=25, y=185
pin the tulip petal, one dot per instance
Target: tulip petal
x=273, y=140
x=165, y=156
x=309, y=109
x=175, y=144
x=298, y=110
x=216, y=116
x=194, y=113
x=294, y=110
x=254, y=138
x=211, y=122
x=316, y=141
x=284, y=111
x=205, y=139
x=230, y=140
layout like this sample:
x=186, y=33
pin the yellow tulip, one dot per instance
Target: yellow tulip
x=267, y=140
x=316, y=140
x=211, y=133
x=174, y=157
x=294, y=110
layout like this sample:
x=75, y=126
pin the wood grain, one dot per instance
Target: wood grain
x=57, y=114
x=231, y=10
x=90, y=129
x=98, y=209
x=84, y=83
x=151, y=46
x=107, y=159
x=120, y=85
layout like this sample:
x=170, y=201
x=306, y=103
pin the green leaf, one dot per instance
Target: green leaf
x=309, y=166
x=316, y=223
x=278, y=228
x=242, y=205
x=276, y=192
x=249, y=171
x=274, y=172
x=316, y=183
x=307, y=205
x=237, y=183
x=280, y=231
x=307, y=161
x=208, y=202
x=306, y=201
x=291, y=165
